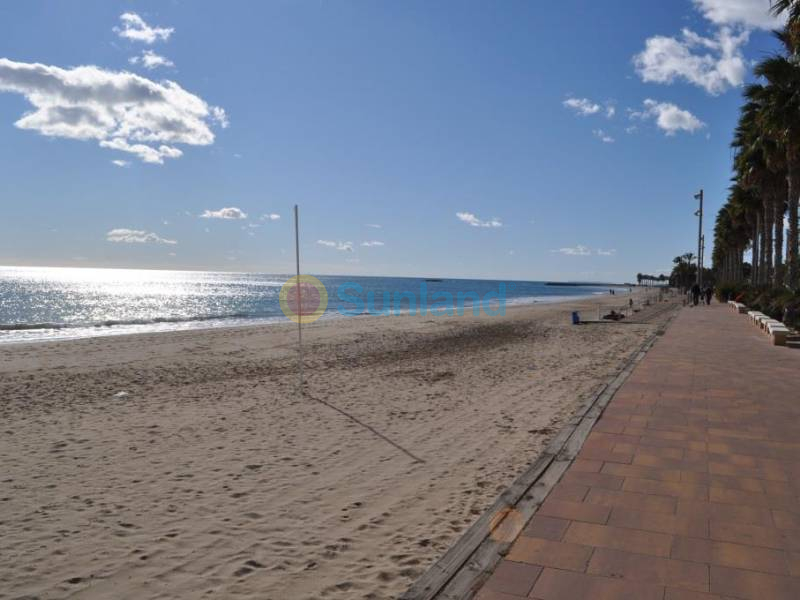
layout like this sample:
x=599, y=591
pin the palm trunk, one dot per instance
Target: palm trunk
x=754, y=270
x=780, y=203
x=741, y=264
x=769, y=220
x=791, y=242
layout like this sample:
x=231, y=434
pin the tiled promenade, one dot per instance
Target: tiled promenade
x=686, y=489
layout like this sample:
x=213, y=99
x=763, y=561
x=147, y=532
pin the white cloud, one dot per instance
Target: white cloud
x=747, y=13
x=581, y=250
x=714, y=64
x=582, y=106
x=343, y=246
x=603, y=136
x=270, y=217
x=585, y=107
x=136, y=236
x=574, y=251
x=218, y=115
x=372, y=243
x=224, y=213
x=669, y=117
x=136, y=29
x=374, y=225
x=474, y=221
x=146, y=153
x=122, y=110
x=121, y=163
x=150, y=60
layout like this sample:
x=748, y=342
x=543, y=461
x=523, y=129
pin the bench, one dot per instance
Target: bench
x=765, y=322
x=779, y=333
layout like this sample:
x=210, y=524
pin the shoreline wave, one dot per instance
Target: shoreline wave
x=51, y=332
x=118, y=322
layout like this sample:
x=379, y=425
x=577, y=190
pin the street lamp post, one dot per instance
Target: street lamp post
x=699, y=214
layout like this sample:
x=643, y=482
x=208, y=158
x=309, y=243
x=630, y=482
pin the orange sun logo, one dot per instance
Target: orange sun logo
x=303, y=299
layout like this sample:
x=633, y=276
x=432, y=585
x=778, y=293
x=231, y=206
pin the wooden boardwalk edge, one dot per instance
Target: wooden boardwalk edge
x=458, y=574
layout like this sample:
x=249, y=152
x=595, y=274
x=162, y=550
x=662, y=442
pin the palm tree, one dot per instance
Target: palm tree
x=752, y=175
x=761, y=166
x=792, y=10
x=732, y=234
x=780, y=120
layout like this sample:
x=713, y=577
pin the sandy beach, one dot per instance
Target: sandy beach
x=211, y=478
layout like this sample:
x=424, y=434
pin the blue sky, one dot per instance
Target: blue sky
x=478, y=136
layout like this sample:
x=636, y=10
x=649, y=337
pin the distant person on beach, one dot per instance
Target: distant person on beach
x=709, y=294
x=695, y=294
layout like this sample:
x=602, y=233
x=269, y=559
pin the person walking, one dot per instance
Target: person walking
x=695, y=294
x=709, y=295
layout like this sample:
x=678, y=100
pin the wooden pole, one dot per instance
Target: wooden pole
x=299, y=301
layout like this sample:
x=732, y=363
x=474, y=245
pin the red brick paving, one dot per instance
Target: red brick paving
x=687, y=488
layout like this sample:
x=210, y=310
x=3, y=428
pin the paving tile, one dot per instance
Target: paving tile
x=605, y=455
x=676, y=594
x=793, y=560
x=564, y=585
x=716, y=467
x=730, y=496
x=648, y=569
x=786, y=520
x=751, y=585
x=619, y=538
x=610, y=424
x=641, y=472
x=575, y=511
x=487, y=593
x=745, y=484
x=573, y=492
x=546, y=553
x=653, y=460
x=751, y=535
x=513, y=578
x=752, y=515
x=727, y=554
x=688, y=491
x=690, y=526
x=647, y=439
x=695, y=477
x=632, y=500
x=546, y=528
x=601, y=480
x=601, y=439
x=586, y=466
x=776, y=488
